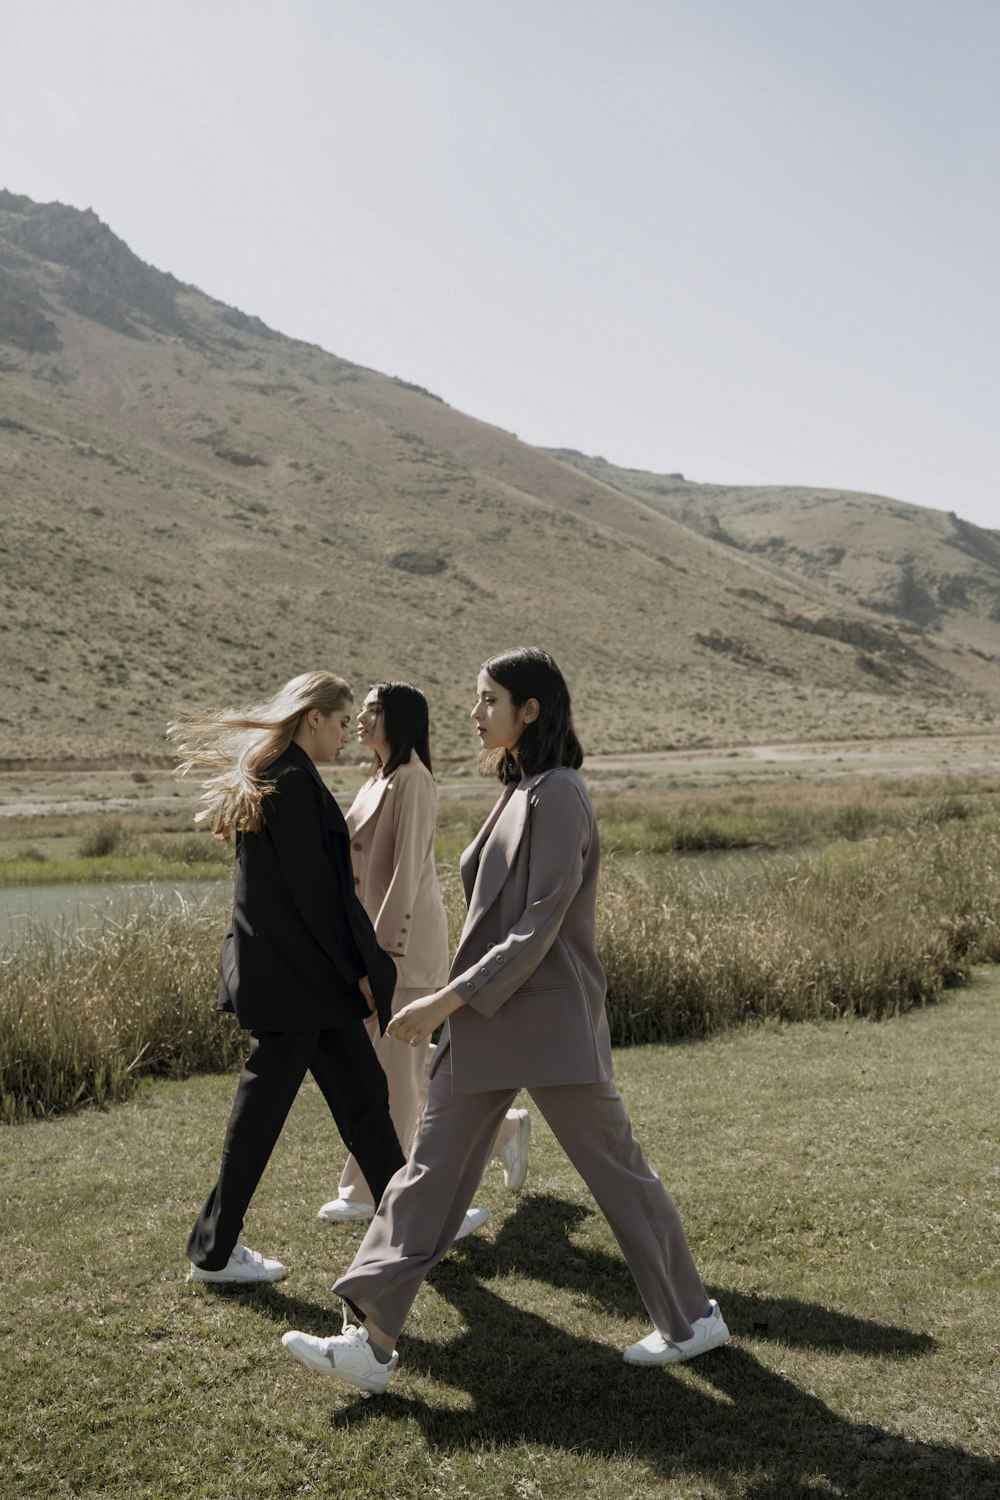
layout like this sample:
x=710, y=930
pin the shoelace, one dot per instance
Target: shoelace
x=249, y=1257
x=350, y=1331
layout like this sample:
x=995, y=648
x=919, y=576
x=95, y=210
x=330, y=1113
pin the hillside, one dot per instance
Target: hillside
x=195, y=507
x=920, y=567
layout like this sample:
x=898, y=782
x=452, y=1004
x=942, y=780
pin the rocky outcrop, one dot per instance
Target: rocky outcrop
x=23, y=318
x=103, y=267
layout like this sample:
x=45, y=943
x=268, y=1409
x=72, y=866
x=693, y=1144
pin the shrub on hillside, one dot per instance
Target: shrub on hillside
x=106, y=837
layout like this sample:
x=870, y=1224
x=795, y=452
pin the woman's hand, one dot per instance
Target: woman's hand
x=415, y=1022
x=366, y=991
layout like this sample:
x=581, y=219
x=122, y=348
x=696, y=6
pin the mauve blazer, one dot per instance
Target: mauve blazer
x=391, y=825
x=527, y=965
x=299, y=939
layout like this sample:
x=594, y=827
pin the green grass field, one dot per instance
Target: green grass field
x=840, y=1184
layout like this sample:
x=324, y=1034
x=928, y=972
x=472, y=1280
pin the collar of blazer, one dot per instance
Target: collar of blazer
x=485, y=869
x=332, y=814
x=382, y=786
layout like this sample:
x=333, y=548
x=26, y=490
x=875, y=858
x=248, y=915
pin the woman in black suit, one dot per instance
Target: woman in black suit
x=300, y=967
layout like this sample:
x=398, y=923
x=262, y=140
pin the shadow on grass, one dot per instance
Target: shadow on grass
x=727, y=1415
x=536, y=1241
x=271, y=1300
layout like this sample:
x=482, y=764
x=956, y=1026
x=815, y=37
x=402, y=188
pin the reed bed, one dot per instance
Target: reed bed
x=84, y=1015
x=860, y=930
x=864, y=929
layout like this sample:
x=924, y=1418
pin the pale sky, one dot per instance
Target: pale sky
x=753, y=241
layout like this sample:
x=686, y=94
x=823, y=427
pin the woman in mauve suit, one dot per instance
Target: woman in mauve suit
x=524, y=1008
x=392, y=823
x=301, y=967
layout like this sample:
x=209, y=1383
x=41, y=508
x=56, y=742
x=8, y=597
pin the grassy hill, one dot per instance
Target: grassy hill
x=920, y=567
x=195, y=507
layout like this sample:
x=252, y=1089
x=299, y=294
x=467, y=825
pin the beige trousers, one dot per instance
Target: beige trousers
x=405, y=1069
x=423, y=1205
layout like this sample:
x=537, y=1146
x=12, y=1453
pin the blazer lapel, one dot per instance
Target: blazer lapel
x=499, y=848
x=372, y=804
x=333, y=819
x=469, y=862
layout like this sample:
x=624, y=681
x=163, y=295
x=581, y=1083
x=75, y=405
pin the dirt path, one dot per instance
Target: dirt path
x=818, y=760
x=71, y=793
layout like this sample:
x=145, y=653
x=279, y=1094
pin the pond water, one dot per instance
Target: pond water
x=68, y=909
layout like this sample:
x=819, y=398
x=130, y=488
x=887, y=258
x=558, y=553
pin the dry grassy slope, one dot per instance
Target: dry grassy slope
x=924, y=567
x=195, y=507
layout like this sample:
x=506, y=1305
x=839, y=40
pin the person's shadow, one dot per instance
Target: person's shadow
x=536, y=1384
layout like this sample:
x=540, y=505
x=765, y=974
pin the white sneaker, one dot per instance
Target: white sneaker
x=514, y=1156
x=474, y=1219
x=347, y=1355
x=709, y=1332
x=346, y=1211
x=242, y=1266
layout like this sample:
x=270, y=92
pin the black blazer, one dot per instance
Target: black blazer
x=299, y=939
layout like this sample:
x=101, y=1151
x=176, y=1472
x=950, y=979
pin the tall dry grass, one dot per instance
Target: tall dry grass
x=862, y=930
x=865, y=929
x=82, y=1019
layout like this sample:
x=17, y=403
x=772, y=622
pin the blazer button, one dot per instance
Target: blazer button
x=407, y=916
x=357, y=846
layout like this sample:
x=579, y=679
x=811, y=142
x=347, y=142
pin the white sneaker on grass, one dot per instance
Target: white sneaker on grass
x=514, y=1156
x=709, y=1332
x=346, y=1211
x=346, y=1355
x=243, y=1266
x=474, y=1219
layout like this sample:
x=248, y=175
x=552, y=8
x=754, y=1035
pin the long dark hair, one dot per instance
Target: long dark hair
x=550, y=740
x=405, y=725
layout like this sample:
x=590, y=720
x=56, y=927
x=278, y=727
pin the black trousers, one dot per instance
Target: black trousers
x=343, y=1063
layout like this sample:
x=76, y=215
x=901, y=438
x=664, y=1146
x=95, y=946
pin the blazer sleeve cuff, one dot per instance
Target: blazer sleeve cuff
x=392, y=937
x=486, y=985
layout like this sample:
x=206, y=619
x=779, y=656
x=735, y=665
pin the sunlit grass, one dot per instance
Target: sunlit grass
x=838, y=1185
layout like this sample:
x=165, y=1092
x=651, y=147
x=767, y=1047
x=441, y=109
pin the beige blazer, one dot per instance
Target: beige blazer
x=527, y=965
x=391, y=823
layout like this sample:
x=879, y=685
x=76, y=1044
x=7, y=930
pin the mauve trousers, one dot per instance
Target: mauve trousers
x=424, y=1204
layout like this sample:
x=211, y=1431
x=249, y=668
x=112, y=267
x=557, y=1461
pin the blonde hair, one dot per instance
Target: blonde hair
x=232, y=749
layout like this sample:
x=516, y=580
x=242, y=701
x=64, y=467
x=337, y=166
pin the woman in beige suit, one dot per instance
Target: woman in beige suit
x=392, y=823
x=524, y=1007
